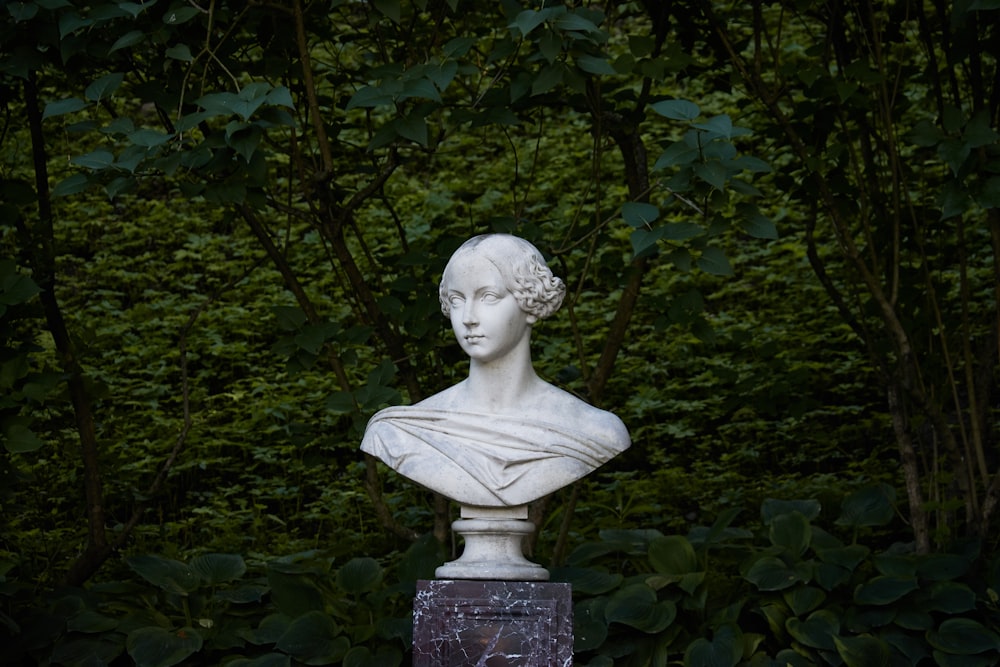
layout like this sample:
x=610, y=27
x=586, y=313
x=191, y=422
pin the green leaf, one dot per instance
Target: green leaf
x=70, y=186
x=587, y=580
x=595, y=65
x=639, y=214
x=804, y=599
x=673, y=555
x=167, y=574
x=149, y=138
x=128, y=39
x=714, y=173
x=713, y=260
x=180, y=14
x=573, y=22
x=677, y=109
x=19, y=439
x=390, y=9
x=96, y=160
x=718, y=126
x=62, y=107
x=871, y=506
x=22, y=11
x=104, y=86
x=266, y=660
x=218, y=568
x=792, y=532
x=884, y=590
x=817, y=631
x=724, y=650
x=949, y=597
x=412, y=127
x=772, y=508
x=772, y=574
x=180, y=52
x=637, y=607
x=359, y=575
x=528, y=20
x=314, y=638
x=292, y=594
x=158, y=647
x=862, y=651
x=550, y=77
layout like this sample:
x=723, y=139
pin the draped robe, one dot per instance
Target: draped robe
x=485, y=459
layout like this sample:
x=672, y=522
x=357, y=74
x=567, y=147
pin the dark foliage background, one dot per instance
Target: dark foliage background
x=222, y=229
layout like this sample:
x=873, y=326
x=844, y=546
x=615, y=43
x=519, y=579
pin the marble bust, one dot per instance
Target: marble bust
x=503, y=437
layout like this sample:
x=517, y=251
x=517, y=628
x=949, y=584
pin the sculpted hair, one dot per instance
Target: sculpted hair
x=537, y=291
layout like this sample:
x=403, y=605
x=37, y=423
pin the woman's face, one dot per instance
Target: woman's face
x=486, y=318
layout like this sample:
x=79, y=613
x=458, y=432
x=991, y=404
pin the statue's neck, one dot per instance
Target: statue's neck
x=501, y=386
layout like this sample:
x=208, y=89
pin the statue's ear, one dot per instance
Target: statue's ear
x=532, y=318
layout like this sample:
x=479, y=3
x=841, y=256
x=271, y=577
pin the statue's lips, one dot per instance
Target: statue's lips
x=474, y=338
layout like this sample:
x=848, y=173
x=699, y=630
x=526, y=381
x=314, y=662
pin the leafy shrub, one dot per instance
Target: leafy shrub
x=783, y=591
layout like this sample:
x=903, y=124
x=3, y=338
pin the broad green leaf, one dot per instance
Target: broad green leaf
x=280, y=96
x=158, y=647
x=677, y=109
x=70, y=22
x=22, y=11
x=218, y=568
x=717, y=126
x=724, y=650
x=70, y=186
x=713, y=260
x=792, y=532
x=637, y=607
x=412, y=127
x=587, y=580
x=170, y=575
x=96, y=160
x=576, y=23
x=639, y=214
x=590, y=629
x=359, y=575
x=804, y=599
x=528, y=20
x=314, y=637
x=390, y=9
x=370, y=97
x=128, y=39
x=772, y=574
x=19, y=439
x=104, y=86
x=758, y=225
x=673, y=555
x=71, y=105
x=293, y=594
x=180, y=52
x=714, y=173
x=871, y=506
x=266, y=660
x=949, y=597
x=594, y=65
x=550, y=77
x=133, y=9
x=862, y=651
x=181, y=14
x=678, y=153
x=644, y=240
x=818, y=631
x=550, y=45
x=772, y=508
x=884, y=590
x=149, y=138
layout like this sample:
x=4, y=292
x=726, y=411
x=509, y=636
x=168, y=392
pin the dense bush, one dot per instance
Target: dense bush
x=790, y=587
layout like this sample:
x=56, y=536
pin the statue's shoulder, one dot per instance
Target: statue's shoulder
x=569, y=409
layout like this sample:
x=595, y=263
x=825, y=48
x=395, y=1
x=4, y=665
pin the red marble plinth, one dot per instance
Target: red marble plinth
x=464, y=622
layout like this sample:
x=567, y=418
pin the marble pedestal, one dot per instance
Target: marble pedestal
x=493, y=539
x=469, y=623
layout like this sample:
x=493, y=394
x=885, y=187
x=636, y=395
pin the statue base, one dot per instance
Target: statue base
x=493, y=539
x=492, y=623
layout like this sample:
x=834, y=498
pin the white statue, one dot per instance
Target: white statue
x=503, y=437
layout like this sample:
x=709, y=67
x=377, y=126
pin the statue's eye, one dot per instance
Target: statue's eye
x=491, y=297
x=455, y=300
